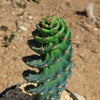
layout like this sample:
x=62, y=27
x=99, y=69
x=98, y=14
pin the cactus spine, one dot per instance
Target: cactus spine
x=55, y=64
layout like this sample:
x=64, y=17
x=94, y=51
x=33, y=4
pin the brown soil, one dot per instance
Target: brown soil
x=86, y=73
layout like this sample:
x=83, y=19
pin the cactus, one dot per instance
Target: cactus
x=55, y=48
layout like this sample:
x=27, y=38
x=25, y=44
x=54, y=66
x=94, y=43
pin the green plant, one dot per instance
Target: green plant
x=21, y=4
x=54, y=40
x=24, y=5
x=8, y=41
x=36, y=1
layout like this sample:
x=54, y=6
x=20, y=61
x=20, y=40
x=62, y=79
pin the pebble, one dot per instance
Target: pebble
x=21, y=17
x=4, y=76
x=82, y=29
x=95, y=29
x=26, y=24
x=97, y=72
x=3, y=95
x=10, y=82
x=19, y=57
x=17, y=96
x=21, y=38
x=23, y=28
x=13, y=13
x=34, y=24
x=77, y=73
x=79, y=97
x=17, y=65
x=24, y=67
x=35, y=18
x=30, y=35
x=30, y=17
x=77, y=36
x=20, y=9
x=83, y=66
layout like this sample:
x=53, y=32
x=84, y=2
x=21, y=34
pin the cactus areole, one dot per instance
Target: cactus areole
x=55, y=64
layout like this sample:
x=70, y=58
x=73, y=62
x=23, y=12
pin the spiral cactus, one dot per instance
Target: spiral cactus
x=55, y=65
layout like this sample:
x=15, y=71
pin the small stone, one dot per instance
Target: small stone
x=83, y=66
x=21, y=17
x=35, y=18
x=95, y=29
x=34, y=24
x=3, y=95
x=30, y=17
x=4, y=76
x=23, y=67
x=23, y=28
x=77, y=36
x=16, y=96
x=10, y=82
x=19, y=57
x=79, y=97
x=30, y=35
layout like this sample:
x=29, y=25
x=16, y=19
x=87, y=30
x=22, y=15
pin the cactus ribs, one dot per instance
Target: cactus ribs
x=55, y=48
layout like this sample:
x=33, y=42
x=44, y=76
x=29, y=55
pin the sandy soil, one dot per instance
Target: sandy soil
x=86, y=73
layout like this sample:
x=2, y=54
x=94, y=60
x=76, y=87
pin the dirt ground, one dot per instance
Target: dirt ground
x=86, y=38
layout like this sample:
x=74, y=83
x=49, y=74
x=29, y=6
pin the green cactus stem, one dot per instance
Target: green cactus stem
x=55, y=64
